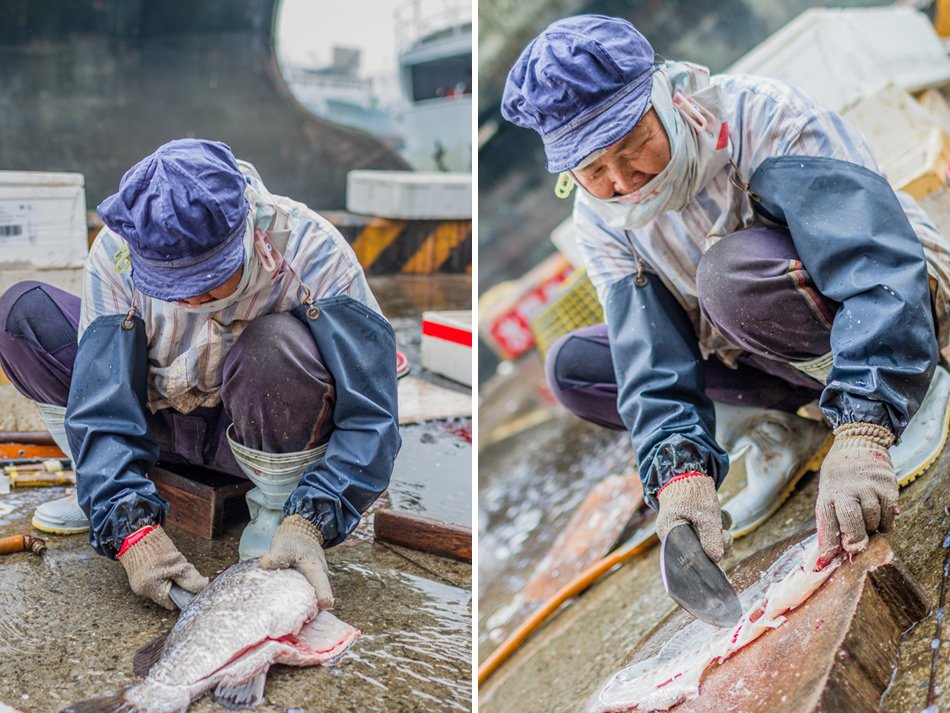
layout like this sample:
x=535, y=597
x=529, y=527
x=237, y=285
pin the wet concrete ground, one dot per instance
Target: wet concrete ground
x=69, y=624
x=537, y=465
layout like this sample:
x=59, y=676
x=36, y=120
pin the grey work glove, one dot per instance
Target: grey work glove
x=153, y=563
x=857, y=489
x=299, y=544
x=692, y=499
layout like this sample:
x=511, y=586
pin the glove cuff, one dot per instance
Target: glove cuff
x=677, y=478
x=687, y=486
x=879, y=435
x=154, y=544
x=298, y=523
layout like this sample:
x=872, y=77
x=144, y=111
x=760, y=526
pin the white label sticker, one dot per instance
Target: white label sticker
x=16, y=223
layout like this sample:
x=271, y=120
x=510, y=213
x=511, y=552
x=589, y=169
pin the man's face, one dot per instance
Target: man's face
x=226, y=289
x=630, y=163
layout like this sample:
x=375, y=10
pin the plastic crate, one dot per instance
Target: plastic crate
x=575, y=307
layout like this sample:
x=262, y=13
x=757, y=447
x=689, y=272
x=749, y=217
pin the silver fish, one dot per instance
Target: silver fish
x=227, y=638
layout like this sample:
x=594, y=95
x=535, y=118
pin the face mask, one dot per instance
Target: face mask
x=691, y=112
x=249, y=279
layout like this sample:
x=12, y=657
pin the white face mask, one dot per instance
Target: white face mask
x=692, y=114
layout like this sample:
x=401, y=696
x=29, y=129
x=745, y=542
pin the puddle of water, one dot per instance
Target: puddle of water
x=433, y=473
x=429, y=651
x=529, y=486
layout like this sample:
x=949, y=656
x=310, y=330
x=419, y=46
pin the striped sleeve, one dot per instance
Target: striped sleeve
x=105, y=290
x=777, y=119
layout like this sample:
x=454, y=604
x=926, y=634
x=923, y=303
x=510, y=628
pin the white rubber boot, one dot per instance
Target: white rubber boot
x=62, y=516
x=275, y=475
x=926, y=434
x=770, y=454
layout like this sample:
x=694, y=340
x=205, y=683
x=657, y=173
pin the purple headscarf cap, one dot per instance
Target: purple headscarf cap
x=582, y=84
x=182, y=211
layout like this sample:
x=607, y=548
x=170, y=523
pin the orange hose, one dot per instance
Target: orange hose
x=569, y=590
x=22, y=543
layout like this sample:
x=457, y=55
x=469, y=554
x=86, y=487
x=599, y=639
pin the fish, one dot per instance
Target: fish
x=674, y=674
x=226, y=639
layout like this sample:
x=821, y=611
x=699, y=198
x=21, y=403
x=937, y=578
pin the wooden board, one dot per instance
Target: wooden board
x=424, y=534
x=836, y=652
x=423, y=401
x=204, y=501
x=593, y=529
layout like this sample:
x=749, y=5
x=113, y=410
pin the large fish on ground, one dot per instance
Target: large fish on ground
x=226, y=639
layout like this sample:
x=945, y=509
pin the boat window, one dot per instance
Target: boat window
x=444, y=77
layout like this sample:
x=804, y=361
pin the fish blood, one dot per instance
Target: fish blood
x=674, y=674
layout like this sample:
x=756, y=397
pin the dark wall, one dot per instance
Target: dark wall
x=94, y=85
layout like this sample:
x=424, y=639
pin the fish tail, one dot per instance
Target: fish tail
x=112, y=703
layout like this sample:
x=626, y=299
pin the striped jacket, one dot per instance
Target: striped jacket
x=187, y=349
x=766, y=118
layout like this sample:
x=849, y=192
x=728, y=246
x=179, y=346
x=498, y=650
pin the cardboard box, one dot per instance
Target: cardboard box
x=506, y=310
x=42, y=220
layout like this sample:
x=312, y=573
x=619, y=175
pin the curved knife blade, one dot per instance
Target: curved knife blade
x=694, y=581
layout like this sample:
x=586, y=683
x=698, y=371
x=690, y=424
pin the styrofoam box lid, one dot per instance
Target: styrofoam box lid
x=840, y=55
x=40, y=178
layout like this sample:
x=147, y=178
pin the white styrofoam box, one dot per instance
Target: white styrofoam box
x=936, y=106
x=42, y=220
x=447, y=344
x=410, y=195
x=891, y=120
x=564, y=237
x=840, y=55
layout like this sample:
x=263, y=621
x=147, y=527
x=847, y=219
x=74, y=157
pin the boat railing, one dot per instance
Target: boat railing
x=417, y=20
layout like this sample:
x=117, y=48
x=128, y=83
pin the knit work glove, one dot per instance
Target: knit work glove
x=299, y=544
x=691, y=498
x=857, y=489
x=153, y=563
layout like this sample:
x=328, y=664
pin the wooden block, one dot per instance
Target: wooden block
x=836, y=652
x=424, y=534
x=203, y=501
x=593, y=529
x=423, y=401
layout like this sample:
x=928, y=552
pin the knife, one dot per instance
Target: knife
x=694, y=581
x=181, y=597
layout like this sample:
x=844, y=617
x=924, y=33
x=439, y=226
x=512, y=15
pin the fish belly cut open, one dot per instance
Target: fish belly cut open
x=674, y=674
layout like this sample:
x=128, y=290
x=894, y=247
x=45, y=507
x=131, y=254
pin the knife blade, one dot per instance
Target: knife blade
x=694, y=581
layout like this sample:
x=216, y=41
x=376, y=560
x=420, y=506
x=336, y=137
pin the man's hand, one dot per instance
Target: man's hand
x=153, y=563
x=299, y=544
x=692, y=499
x=857, y=489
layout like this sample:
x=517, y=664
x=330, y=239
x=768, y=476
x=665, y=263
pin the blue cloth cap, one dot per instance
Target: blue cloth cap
x=582, y=84
x=182, y=211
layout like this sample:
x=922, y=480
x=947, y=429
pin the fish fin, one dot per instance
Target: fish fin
x=244, y=692
x=148, y=655
x=326, y=637
x=113, y=703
